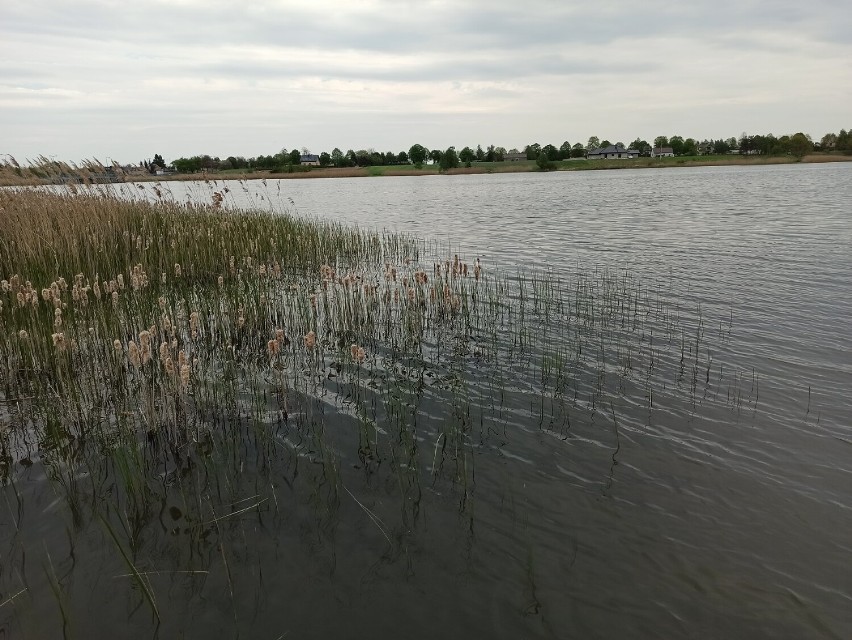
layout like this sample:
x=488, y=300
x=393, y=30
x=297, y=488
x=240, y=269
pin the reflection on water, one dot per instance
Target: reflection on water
x=646, y=433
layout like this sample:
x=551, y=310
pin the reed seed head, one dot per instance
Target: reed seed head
x=193, y=323
x=59, y=341
x=133, y=354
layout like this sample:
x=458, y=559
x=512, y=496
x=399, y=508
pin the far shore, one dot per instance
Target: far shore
x=580, y=164
x=8, y=178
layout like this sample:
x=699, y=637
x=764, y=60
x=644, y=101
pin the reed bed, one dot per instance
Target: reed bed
x=153, y=353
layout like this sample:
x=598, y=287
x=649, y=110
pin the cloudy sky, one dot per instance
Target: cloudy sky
x=113, y=80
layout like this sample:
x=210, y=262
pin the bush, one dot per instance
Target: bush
x=544, y=163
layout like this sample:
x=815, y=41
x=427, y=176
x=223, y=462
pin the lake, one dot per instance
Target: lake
x=708, y=494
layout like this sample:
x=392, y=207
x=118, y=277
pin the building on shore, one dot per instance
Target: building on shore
x=613, y=151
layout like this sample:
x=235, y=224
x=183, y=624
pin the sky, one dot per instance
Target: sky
x=121, y=81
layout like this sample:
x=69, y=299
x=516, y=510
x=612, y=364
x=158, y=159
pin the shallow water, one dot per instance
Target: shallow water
x=721, y=509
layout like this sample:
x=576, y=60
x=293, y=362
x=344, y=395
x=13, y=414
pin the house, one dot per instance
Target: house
x=515, y=157
x=613, y=151
x=309, y=159
x=662, y=152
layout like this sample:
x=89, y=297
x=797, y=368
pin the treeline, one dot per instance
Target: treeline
x=797, y=144
x=417, y=155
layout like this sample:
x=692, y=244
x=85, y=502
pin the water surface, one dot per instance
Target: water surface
x=722, y=509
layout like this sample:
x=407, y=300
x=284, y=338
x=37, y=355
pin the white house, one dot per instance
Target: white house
x=310, y=159
x=612, y=151
x=662, y=152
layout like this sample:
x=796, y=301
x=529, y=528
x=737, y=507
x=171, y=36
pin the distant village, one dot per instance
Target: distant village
x=595, y=149
x=545, y=157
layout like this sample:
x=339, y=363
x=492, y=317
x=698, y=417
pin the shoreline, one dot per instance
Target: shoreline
x=501, y=167
x=9, y=178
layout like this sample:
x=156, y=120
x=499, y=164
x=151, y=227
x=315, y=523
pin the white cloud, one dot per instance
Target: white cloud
x=184, y=77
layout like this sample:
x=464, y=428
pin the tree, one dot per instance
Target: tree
x=351, y=158
x=676, y=143
x=480, y=154
x=661, y=141
x=721, y=147
x=337, y=157
x=187, y=165
x=565, y=150
x=324, y=159
x=593, y=143
x=490, y=154
x=690, y=147
x=605, y=144
x=800, y=145
x=499, y=154
x=551, y=152
x=828, y=142
x=467, y=156
x=641, y=146
x=402, y=157
x=578, y=151
x=543, y=162
x=435, y=155
x=770, y=143
x=418, y=154
x=268, y=162
x=294, y=157
x=532, y=150
x=449, y=159
x=745, y=143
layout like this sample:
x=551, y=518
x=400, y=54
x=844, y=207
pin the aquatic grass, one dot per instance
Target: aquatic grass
x=60, y=596
x=203, y=355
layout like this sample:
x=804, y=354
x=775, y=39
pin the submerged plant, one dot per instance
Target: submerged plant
x=175, y=383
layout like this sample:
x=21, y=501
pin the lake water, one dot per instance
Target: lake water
x=722, y=515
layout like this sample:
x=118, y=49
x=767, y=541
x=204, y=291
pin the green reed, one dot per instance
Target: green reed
x=159, y=351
